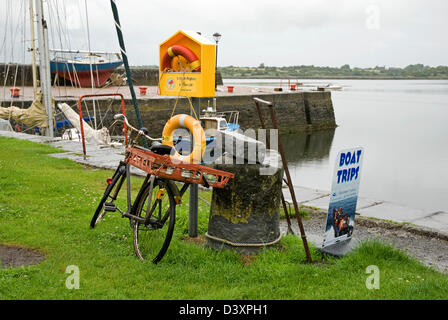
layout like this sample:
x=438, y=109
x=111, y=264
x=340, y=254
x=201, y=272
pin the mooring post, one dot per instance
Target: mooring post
x=245, y=215
x=194, y=189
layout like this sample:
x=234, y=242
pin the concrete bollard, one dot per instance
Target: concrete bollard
x=245, y=214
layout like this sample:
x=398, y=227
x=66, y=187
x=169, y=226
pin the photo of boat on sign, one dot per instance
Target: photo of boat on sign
x=223, y=159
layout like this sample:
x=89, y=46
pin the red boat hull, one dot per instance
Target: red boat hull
x=84, y=78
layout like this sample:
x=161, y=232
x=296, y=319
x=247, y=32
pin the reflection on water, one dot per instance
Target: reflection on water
x=402, y=126
x=306, y=147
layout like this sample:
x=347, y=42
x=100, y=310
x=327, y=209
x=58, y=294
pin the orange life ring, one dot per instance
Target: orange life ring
x=194, y=126
x=178, y=50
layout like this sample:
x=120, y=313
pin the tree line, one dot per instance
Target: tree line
x=414, y=71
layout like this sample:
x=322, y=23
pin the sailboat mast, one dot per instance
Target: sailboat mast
x=33, y=48
x=90, y=62
x=44, y=65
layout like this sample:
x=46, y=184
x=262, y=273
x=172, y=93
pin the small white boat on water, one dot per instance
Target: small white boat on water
x=331, y=86
x=328, y=87
x=323, y=86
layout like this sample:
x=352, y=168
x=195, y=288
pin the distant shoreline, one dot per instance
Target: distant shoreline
x=329, y=78
x=148, y=75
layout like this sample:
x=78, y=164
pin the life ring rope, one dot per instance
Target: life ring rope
x=191, y=107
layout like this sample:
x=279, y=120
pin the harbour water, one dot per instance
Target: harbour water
x=403, y=127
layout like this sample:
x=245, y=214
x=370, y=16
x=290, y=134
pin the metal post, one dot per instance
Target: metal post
x=258, y=103
x=81, y=123
x=194, y=188
x=193, y=211
x=268, y=146
x=217, y=37
x=44, y=65
x=216, y=66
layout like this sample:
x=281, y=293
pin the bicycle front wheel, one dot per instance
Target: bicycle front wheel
x=110, y=195
x=152, y=237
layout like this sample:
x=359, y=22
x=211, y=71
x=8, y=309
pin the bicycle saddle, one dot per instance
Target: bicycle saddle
x=161, y=149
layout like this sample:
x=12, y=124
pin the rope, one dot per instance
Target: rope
x=178, y=94
x=175, y=104
x=236, y=244
x=192, y=108
x=177, y=100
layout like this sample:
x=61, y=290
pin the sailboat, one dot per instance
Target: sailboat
x=92, y=70
x=40, y=114
x=89, y=69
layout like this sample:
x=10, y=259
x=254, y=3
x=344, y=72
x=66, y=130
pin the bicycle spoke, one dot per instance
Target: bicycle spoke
x=152, y=238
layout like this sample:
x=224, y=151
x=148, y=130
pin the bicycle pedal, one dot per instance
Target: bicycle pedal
x=110, y=207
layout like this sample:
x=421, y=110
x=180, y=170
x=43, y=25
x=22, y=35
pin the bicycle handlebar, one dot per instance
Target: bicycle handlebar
x=140, y=132
x=120, y=116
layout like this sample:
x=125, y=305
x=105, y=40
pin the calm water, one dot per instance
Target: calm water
x=403, y=127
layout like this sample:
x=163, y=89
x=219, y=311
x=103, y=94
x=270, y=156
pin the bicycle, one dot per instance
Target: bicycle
x=152, y=216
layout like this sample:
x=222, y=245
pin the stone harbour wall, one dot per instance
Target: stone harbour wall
x=295, y=112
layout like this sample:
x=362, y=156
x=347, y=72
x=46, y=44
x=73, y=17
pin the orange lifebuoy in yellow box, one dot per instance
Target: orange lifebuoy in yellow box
x=194, y=126
x=178, y=50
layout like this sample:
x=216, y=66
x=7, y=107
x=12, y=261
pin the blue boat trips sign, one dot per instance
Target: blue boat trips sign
x=344, y=196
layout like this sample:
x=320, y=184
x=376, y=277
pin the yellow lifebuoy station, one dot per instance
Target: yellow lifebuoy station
x=187, y=65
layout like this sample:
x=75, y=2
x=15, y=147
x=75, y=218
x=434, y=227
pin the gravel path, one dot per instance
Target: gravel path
x=430, y=247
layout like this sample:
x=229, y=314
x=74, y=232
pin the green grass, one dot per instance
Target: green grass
x=47, y=203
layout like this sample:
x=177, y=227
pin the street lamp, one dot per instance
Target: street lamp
x=217, y=37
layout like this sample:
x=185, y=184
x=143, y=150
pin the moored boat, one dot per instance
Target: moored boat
x=88, y=71
x=211, y=121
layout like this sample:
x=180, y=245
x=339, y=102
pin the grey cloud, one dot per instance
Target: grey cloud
x=319, y=32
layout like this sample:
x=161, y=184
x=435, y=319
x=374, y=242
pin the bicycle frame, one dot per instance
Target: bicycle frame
x=123, y=166
x=123, y=170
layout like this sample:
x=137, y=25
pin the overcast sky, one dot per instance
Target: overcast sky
x=362, y=33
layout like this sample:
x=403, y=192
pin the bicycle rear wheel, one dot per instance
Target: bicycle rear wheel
x=152, y=239
x=110, y=194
